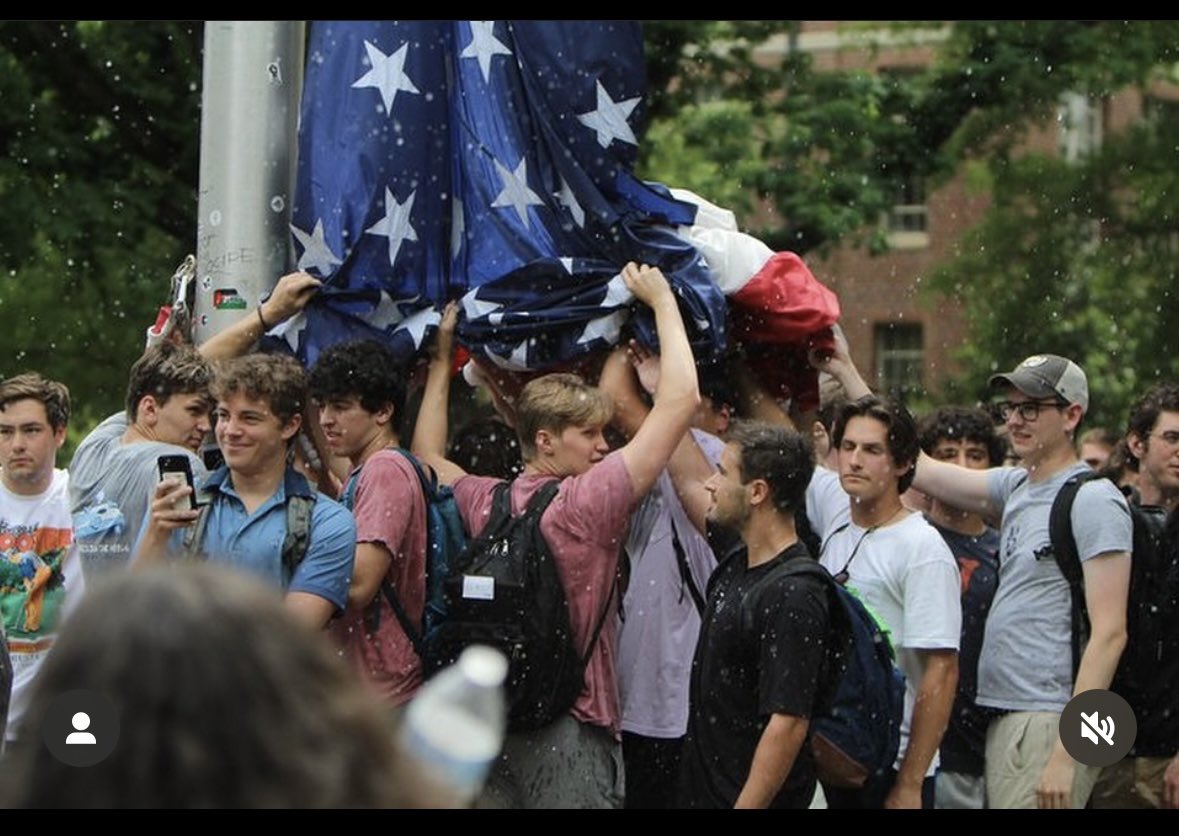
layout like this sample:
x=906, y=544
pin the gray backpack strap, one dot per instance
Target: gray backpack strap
x=294, y=545
x=194, y=537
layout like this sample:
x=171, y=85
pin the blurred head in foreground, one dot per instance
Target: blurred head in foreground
x=224, y=700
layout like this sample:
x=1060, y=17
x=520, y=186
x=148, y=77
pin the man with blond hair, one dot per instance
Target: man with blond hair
x=575, y=761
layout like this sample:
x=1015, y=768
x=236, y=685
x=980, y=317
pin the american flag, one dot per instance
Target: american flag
x=492, y=162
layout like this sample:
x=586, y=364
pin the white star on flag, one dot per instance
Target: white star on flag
x=474, y=307
x=417, y=322
x=609, y=326
x=516, y=193
x=291, y=329
x=609, y=120
x=388, y=313
x=569, y=201
x=395, y=224
x=387, y=75
x=517, y=361
x=458, y=226
x=484, y=45
x=317, y=255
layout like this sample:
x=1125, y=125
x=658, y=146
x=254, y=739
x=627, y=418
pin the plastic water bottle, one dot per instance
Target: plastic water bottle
x=453, y=728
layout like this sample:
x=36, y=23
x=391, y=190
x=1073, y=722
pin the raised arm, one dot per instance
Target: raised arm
x=839, y=365
x=962, y=487
x=648, y=452
x=291, y=294
x=688, y=467
x=430, y=430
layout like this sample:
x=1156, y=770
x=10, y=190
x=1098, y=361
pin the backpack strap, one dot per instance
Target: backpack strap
x=298, y=537
x=194, y=536
x=372, y=618
x=686, y=580
x=1063, y=547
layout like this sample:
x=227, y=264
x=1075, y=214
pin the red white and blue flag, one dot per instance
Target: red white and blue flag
x=487, y=161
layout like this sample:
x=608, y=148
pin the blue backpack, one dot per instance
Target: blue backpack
x=445, y=541
x=856, y=734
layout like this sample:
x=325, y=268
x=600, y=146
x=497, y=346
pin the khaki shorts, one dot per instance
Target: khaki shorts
x=1131, y=784
x=1018, y=747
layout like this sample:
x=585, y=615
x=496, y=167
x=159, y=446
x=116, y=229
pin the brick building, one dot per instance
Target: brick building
x=900, y=336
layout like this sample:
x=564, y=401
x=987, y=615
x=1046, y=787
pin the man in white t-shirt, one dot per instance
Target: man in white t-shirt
x=898, y=564
x=39, y=568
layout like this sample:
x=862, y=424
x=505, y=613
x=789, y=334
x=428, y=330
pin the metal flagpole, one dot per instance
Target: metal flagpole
x=252, y=81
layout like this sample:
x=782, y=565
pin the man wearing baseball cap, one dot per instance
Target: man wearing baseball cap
x=1025, y=668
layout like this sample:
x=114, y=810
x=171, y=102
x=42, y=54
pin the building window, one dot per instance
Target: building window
x=1079, y=117
x=900, y=358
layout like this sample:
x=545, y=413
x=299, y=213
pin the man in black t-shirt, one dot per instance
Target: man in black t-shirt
x=1148, y=671
x=761, y=662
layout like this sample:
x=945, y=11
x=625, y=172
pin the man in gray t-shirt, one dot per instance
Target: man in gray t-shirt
x=1025, y=668
x=114, y=472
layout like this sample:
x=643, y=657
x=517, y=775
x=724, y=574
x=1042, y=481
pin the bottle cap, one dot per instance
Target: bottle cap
x=484, y=665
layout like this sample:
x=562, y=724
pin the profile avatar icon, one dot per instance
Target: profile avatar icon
x=80, y=721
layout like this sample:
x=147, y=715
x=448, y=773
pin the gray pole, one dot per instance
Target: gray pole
x=253, y=77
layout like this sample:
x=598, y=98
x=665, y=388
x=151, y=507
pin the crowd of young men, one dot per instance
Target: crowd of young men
x=705, y=671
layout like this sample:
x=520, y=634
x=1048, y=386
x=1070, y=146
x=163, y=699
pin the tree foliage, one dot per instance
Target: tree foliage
x=1073, y=257
x=98, y=180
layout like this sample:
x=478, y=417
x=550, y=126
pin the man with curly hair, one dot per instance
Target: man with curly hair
x=259, y=411
x=359, y=390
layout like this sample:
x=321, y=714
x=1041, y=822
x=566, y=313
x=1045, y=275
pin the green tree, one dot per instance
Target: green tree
x=1073, y=257
x=98, y=182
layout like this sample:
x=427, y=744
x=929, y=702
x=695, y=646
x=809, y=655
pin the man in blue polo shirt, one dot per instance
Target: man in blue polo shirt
x=259, y=412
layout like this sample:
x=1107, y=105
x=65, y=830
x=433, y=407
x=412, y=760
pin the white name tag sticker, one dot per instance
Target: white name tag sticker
x=481, y=588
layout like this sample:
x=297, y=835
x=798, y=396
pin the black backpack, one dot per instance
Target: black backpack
x=855, y=733
x=1143, y=629
x=445, y=540
x=504, y=591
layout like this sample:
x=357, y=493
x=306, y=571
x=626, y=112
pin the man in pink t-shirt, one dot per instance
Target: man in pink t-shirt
x=359, y=389
x=575, y=761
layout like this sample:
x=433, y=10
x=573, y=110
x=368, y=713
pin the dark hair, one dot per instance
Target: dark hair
x=966, y=423
x=718, y=383
x=365, y=369
x=226, y=700
x=1144, y=414
x=277, y=379
x=487, y=447
x=164, y=370
x=902, y=430
x=54, y=396
x=782, y=457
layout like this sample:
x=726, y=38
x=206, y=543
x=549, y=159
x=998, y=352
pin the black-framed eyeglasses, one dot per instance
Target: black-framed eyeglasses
x=1027, y=410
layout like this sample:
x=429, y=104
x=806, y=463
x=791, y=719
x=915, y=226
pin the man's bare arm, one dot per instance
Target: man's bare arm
x=774, y=757
x=931, y=715
x=291, y=294
x=677, y=397
x=430, y=431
